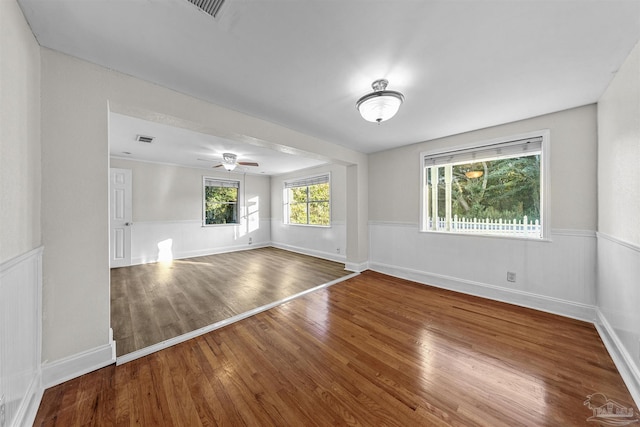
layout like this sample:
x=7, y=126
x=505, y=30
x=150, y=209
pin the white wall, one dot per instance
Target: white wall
x=618, y=283
x=20, y=215
x=324, y=242
x=76, y=98
x=556, y=275
x=167, y=204
x=19, y=135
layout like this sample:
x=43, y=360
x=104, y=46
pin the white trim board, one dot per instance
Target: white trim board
x=547, y=304
x=621, y=242
x=621, y=358
x=357, y=267
x=205, y=252
x=185, y=337
x=76, y=365
x=311, y=252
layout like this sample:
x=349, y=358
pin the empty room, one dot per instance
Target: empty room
x=241, y=212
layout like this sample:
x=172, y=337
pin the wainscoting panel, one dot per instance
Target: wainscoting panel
x=618, y=295
x=20, y=338
x=555, y=275
x=322, y=242
x=157, y=240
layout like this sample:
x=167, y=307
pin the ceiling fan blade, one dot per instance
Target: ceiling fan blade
x=217, y=166
x=248, y=164
x=209, y=160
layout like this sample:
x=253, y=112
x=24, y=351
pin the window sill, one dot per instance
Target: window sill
x=308, y=225
x=487, y=235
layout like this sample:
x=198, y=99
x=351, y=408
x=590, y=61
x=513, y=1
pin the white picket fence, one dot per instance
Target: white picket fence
x=522, y=228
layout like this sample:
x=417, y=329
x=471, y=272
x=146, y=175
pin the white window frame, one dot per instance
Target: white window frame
x=300, y=182
x=545, y=173
x=206, y=179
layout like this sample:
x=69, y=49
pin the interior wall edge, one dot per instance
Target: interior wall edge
x=75, y=365
x=624, y=362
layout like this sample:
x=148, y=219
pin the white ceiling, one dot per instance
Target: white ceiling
x=462, y=65
x=180, y=146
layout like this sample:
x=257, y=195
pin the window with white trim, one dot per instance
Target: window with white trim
x=307, y=201
x=220, y=201
x=492, y=188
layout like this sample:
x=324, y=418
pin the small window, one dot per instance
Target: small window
x=220, y=201
x=493, y=188
x=307, y=201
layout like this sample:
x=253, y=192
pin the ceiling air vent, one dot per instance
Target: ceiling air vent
x=212, y=7
x=145, y=139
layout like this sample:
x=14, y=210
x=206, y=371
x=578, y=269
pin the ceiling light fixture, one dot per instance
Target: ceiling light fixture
x=381, y=104
x=229, y=161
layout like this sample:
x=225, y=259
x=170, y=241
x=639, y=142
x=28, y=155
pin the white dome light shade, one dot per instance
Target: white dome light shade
x=381, y=104
x=229, y=161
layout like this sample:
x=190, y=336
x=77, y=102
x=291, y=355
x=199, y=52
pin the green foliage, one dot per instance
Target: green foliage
x=508, y=189
x=309, y=205
x=221, y=205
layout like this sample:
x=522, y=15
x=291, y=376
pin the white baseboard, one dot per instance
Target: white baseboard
x=26, y=413
x=311, y=252
x=357, y=267
x=62, y=370
x=525, y=299
x=204, y=252
x=621, y=357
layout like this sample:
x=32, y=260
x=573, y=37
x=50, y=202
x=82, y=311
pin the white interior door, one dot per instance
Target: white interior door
x=120, y=217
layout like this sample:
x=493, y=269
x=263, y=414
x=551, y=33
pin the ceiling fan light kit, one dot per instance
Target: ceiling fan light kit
x=381, y=104
x=229, y=161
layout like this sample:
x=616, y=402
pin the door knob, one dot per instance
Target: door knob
x=128, y=223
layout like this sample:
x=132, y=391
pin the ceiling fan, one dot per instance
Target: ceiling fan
x=230, y=161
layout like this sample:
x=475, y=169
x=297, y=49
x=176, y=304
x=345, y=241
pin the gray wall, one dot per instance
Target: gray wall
x=325, y=242
x=394, y=175
x=556, y=274
x=19, y=135
x=174, y=193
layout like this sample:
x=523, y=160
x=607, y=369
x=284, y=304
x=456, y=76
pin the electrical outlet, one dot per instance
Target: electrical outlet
x=338, y=250
x=250, y=240
x=511, y=276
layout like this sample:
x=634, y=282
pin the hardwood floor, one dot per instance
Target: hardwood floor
x=369, y=351
x=151, y=303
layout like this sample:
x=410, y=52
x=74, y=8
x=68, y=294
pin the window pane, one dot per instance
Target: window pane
x=319, y=213
x=495, y=196
x=298, y=195
x=309, y=204
x=298, y=213
x=319, y=192
x=221, y=205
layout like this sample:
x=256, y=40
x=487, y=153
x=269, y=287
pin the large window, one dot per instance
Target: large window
x=307, y=201
x=493, y=188
x=220, y=201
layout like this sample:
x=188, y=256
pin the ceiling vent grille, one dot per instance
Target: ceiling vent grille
x=145, y=139
x=212, y=7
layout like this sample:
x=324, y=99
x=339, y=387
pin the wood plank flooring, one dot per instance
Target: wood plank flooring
x=370, y=351
x=151, y=303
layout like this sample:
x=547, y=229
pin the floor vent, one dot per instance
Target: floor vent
x=212, y=7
